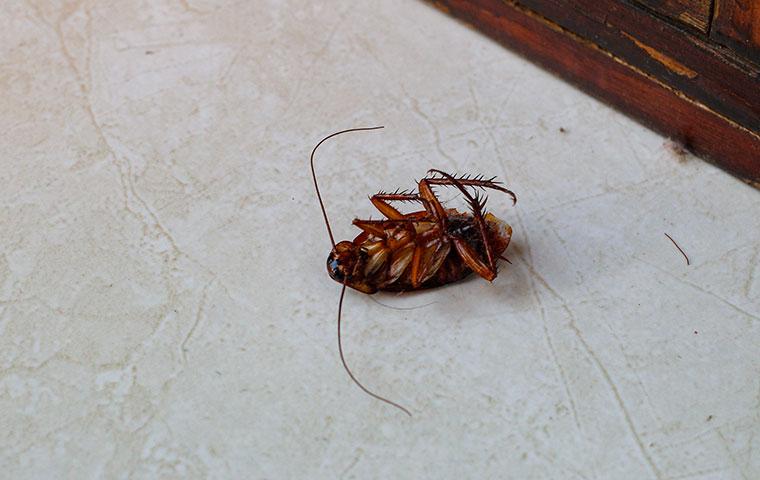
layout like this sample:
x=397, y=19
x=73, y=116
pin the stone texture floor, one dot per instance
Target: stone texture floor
x=164, y=306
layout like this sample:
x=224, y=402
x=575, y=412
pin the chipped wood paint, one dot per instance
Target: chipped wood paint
x=670, y=63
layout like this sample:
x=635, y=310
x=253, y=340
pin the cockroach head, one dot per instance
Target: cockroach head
x=346, y=264
x=341, y=261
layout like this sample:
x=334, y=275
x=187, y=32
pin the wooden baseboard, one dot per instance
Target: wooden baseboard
x=721, y=127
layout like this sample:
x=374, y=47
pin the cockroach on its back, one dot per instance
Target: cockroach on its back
x=422, y=249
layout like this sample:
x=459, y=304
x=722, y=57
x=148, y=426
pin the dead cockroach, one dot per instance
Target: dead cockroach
x=422, y=249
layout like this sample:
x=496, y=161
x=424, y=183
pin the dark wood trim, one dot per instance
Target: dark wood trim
x=737, y=25
x=666, y=110
x=705, y=72
x=691, y=13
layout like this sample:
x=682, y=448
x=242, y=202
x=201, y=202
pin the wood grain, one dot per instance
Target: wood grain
x=701, y=70
x=737, y=25
x=694, y=13
x=664, y=109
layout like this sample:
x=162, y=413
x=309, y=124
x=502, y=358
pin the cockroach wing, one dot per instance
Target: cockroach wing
x=377, y=259
x=399, y=262
x=432, y=259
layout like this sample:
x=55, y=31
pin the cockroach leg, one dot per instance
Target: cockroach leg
x=348, y=370
x=380, y=201
x=373, y=227
x=436, y=209
x=472, y=182
x=485, y=270
x=471, y=259
x=392, y=223
x=378, y=227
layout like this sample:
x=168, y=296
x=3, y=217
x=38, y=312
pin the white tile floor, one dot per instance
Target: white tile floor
x=164, y=306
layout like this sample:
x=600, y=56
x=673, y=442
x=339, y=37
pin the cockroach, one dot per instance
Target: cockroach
x=419, y=250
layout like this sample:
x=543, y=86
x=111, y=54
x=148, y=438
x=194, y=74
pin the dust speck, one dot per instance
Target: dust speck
x=676, y=149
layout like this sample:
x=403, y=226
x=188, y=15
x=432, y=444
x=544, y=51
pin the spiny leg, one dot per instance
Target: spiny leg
x=436, y=209
x=381, y=202
x=379, y=227
x=486, y=269
x=478, y=182
x=470, y=257
x=434, y=213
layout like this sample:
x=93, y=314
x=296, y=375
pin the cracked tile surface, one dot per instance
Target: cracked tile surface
x=164, y=306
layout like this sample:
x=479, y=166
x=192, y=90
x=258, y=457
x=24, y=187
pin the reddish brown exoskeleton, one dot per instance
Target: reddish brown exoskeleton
x=423, y=249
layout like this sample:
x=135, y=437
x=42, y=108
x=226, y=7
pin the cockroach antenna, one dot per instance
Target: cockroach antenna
x=348, y=370
x=343, y=290
x=314, y=175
